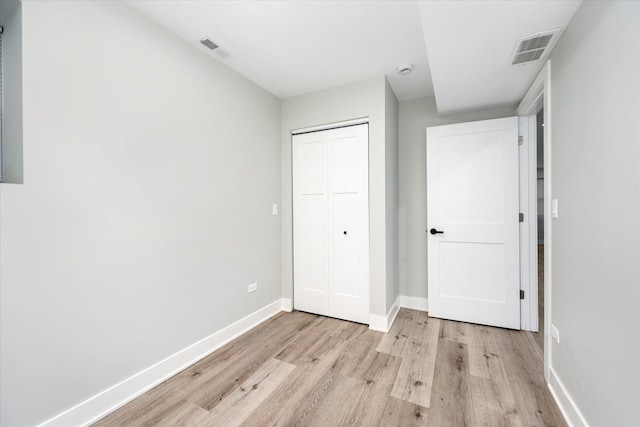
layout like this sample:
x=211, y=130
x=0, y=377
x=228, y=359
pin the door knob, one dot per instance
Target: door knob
x=434, y=231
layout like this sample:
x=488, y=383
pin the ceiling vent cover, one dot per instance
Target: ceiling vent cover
x=214, y=48
x=534, y=47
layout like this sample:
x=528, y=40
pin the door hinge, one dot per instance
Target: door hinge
x=521, y=294
x=520, y=140
x=521, y=217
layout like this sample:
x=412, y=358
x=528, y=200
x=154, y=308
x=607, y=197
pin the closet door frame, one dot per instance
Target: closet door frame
x=349, y=302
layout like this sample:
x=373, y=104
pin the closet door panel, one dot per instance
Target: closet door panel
x=311, y=245
x=344, y=165
x=310, y=224
x=331, y=222
x=310, y=167
x=344, y=257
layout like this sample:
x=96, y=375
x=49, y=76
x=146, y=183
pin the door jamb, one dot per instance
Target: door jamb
x=540, y=94
x=527, y=157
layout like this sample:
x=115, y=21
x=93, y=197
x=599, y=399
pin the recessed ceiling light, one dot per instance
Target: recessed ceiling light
x=404, y=69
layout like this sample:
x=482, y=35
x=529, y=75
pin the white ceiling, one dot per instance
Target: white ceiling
x=469, y=44
x=296, y=47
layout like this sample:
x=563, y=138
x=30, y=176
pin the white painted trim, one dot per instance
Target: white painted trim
x=540, y=91
x=531, y=100
x=378, y=323
x=287, y=305
x=118, y=395
x=532, y=224
x=523, y=177
x=568, y=407
x=414, y=303
x=327, y=126
x=529, y=228
x=393, y=313
x=384, y=323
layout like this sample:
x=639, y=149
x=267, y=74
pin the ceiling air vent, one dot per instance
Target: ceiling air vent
x=533, y=47
x=214, y=47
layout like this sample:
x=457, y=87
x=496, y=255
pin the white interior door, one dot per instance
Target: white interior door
x=472, y=215
x=331, y=222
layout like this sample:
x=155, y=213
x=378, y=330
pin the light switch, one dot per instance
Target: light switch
x=274, y=210
x=554, y=208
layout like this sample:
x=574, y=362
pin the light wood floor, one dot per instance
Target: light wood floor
x=299, y=369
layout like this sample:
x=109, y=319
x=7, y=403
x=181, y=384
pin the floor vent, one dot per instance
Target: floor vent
x=534, y=47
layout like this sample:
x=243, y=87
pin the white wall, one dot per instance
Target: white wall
x=150, y=170
x=363, y=99
x=595, y=111
x=391, y=194
x=11, y=20
x=415, y=116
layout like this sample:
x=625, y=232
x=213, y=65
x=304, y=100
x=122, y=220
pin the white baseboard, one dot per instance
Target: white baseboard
x=287, y=305
x=567, y=406
x=414, y=303
x=116, y=396
x=383, y=323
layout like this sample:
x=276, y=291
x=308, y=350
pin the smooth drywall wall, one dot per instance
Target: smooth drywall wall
x=415, y=116
x=595, y=127
x=391, y=194
x=150, y=171
x=358, y=100
x=12, y=139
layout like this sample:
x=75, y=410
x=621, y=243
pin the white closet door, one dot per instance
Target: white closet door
x=472, y=212
x=331, y=222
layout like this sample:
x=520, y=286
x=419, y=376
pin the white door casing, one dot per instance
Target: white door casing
x=331, y=222
x=472, y=196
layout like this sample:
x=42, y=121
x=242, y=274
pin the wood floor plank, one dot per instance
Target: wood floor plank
x=298, y=392
x=264, y=345
x=451, y=400
x=371, y=405
x=394, y=341
x=334, y=404
x=484, y=360
x=407, y=326
x=493, y=403
x=187, y=415
x=301, y=411
x=373, y=375
x=143, y=411
x=398, y=412
x=534, y=403
x=239, y=405
x=319, y=337
x=352, y=402
x=493, y=399
x=359, y=361
x=415, y=377
x=455, y=331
